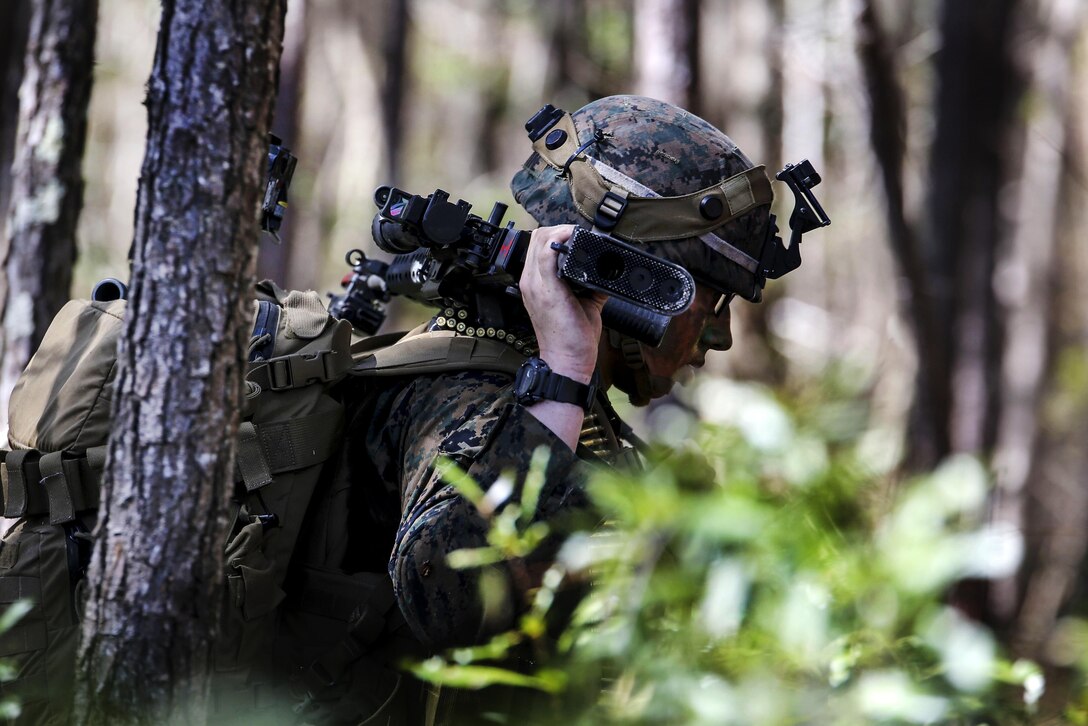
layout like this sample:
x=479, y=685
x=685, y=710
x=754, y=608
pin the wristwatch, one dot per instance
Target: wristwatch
x=536, y=382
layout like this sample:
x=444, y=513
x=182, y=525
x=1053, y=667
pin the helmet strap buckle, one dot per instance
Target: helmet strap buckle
x=629, y=348
x=610, y=210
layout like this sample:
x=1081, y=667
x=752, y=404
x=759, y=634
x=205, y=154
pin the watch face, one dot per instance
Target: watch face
x=526, y=380
x=528, y=377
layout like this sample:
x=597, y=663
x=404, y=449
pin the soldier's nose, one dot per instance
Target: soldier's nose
x=715, y=338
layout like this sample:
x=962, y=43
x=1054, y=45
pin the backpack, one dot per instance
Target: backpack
x=51, y=478
x=58, y=431
x=291, y=421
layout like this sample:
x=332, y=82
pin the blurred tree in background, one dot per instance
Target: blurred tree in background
x=41, y=141
x=951, y=138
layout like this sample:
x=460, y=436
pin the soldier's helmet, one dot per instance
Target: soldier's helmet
x=658, y=150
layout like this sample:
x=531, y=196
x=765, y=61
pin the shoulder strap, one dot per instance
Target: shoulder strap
x=440, y=351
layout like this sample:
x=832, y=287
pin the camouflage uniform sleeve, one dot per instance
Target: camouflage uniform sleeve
x=470, y=417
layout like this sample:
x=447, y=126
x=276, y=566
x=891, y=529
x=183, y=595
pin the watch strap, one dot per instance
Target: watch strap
x=536, y=382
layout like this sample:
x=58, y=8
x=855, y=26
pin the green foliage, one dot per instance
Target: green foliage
x=769, y=570
x=9, y=707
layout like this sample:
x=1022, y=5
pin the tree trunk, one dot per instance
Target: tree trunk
x=667, y=51
x=13, y=34
x=155, y=575
x=274, y=258
x=888, y=138
x=565, y=23
x=1040, y=469
x=492, y=100
x=47, y=185
x=394, y=53
x=978, y=89
x=1055, y=573
x=948, y=258
x=771, y=110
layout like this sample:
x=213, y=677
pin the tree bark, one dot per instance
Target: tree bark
x=156, y=570
x=47, y=184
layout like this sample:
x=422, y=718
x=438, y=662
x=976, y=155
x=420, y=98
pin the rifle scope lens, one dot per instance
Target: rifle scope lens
x=393, y=238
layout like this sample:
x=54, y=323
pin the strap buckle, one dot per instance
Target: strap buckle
x=609, y=211
x=299, y=370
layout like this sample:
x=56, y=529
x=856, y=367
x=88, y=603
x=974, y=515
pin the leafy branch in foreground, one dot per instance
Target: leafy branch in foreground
x=16, y=611
x=764, y=574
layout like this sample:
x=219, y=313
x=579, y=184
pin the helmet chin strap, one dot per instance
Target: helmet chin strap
x=631, y=352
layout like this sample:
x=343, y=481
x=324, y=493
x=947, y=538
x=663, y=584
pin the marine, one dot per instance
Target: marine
x=686, y=194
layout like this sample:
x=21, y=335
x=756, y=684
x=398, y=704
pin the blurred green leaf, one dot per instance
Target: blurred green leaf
x=14, y=613
x=476, y=677
x=459, y=479
x=478, y=557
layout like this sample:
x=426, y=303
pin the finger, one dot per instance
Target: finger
x=542, y=260
x=547, y=241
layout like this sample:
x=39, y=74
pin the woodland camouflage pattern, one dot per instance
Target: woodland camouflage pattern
x=668, y=150
x=397, y=430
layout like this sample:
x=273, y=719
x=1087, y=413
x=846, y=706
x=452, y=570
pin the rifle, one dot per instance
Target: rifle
x=448, y=258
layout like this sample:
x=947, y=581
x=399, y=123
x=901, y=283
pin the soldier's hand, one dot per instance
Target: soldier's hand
x=568, y=327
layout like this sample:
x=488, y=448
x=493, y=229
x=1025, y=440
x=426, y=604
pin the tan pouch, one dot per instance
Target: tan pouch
x=62, y=400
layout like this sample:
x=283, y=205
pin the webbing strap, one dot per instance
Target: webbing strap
x=711, y=240
x=22, y=495
x=652, y=219
x=60, y=484
x=251, y=467
x=60, y=477
x=14, y=588
x=31, y=635
x=274, y=447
